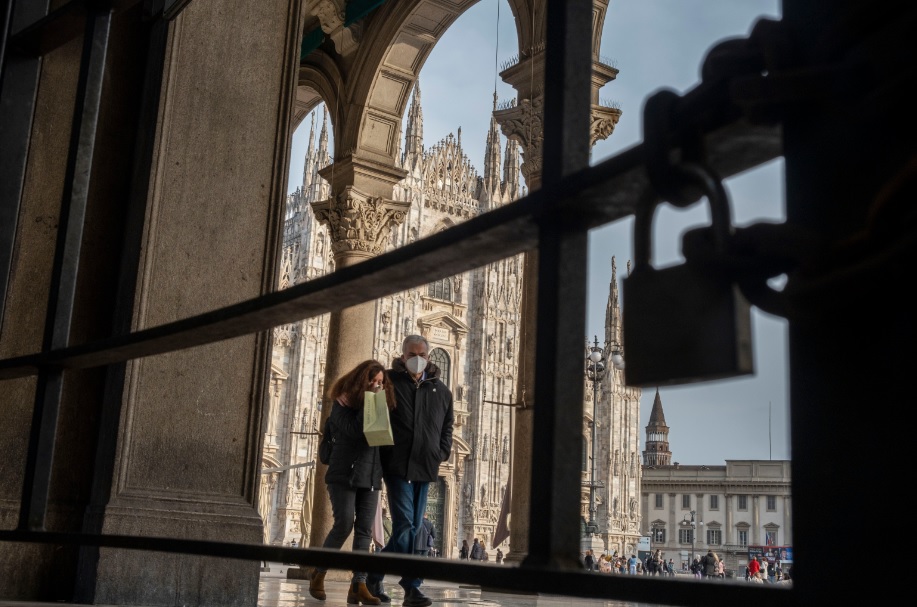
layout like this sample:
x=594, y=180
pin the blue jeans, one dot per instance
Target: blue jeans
x=353, y=509
x=406, y=501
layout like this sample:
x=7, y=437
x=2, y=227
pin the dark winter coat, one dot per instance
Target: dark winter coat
x=353, y=462
x=425, y=537
x=477, y=552
x=421, y=425
x=710, y=563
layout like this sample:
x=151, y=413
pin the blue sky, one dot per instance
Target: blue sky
x=655, y=44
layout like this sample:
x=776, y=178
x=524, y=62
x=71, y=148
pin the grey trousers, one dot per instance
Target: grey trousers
x=353, y=510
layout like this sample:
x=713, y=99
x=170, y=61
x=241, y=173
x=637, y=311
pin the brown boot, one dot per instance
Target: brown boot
x=359, y=593
x=317, y=585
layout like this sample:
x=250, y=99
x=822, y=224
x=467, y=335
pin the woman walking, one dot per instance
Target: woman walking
x=463, y=553
x=354, y=475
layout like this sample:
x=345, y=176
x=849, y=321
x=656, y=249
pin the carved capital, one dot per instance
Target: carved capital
x=330, y=14
x=524, y=122
x=359, y=223
x=347, y=39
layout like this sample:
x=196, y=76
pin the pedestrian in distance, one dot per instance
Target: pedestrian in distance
x=463, y=552
x=354, y=475
x=425, y=537
x=772, y=571
x=754, y=569
x=422, y=423
x=710, y=565
x=477, y=553
x=589, y=561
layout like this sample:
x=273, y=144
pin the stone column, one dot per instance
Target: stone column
x=178, y=451
x=787, y=538
x=523, y=122
x=756, y=537
x=360, y=219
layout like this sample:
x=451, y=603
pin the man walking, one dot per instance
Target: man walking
x=425, y=537
x=422, y=429
x=477, y=552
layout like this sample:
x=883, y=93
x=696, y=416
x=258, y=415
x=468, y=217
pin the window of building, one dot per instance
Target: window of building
x=770, y=538
x=714, y=537
x=714, y=502
x=441, y=289
x=685, y=535
x=439, y=358
x=771, y=503
x=659, y=501
x=742, y=502
x=686, y=502
x=659, y=535
x=743, y=537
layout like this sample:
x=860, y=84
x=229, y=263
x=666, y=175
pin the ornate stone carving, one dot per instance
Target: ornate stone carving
x=602, y=124
x=347, y=39
x=330, y=14
x=524, y=122
x=359, y=222
x=284, y=335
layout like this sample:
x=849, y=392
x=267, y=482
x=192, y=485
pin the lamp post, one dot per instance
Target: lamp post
x=655, y=534
x=595, y=371
x=693, y=525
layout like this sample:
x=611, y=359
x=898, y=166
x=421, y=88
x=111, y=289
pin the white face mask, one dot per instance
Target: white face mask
x=416, y=364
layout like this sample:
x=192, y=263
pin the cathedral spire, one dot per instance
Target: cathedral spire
x=511, y=172
x=413, y=140
x=613, y=311
x=310, y=158
x=492, y=157
x=657, y=437
x=323, y=137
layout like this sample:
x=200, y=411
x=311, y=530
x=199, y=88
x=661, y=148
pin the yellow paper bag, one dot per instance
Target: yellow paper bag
x=376, y=423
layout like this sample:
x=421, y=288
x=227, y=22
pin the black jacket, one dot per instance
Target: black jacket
x=353, y=462
x=421, y=425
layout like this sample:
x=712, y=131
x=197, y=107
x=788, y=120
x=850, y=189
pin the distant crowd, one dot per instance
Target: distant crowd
x=709, y=566
x=653, y=564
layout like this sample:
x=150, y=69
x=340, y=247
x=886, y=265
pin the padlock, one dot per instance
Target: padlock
x=686, y=323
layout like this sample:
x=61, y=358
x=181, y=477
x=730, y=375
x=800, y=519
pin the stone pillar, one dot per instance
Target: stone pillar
x=523, y=424
x=360, y=219
x=523, y=122
x=179, y=452
x=787, y=538
x=757, y=537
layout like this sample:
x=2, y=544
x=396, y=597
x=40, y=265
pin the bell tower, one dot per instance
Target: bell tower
x=657, y=451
